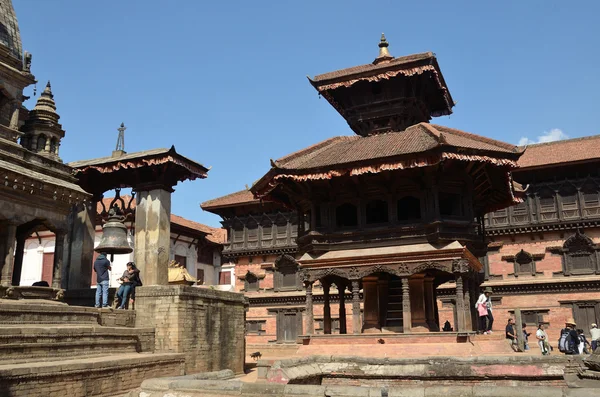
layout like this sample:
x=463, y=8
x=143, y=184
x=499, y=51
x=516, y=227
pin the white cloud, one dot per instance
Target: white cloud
x=554, y=134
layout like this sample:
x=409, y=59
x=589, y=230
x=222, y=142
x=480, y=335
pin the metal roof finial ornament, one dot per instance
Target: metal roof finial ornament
x=384, y=54
x=120, y=148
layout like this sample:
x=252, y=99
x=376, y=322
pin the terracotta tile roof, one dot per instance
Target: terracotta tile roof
x=234, y=199
x=419, y=138
x=362, y=69
x=559, y=152
x=213, y=234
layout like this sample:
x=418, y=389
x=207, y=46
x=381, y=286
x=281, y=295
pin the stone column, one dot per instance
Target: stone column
x=8, y=241
x=342, y=312
x=406, y=307
x=18, y=266
x=57, y=269
x=417, y=302
x=326, y=308
x=467, y=303
x=81, y=246
x=309, y=319
x=153, y=235
x=460, y=304
x=430, y=304
x=356, y=323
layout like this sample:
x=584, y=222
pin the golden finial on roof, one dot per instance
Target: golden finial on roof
x=384, y=54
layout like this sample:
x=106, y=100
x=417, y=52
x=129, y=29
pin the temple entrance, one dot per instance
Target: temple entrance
x=385, y=303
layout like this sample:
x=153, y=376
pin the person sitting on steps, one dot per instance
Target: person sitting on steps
x=129, y=282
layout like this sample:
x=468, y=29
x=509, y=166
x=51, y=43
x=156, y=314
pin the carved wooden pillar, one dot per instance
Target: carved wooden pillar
x=370, y=305
x=326, y=307
x=18, y=266
x=57, y=269
x=8, y=240
x=356, y=323
x=309, y=320
x=473, y=287
x=460, y=304
x=406, y=315
x=430, y=304
x=342, y=312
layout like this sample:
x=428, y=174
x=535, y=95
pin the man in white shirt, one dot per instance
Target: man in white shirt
x=483, y=305
x=595, y=331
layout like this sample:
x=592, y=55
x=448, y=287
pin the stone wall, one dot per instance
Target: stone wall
x=206, y=325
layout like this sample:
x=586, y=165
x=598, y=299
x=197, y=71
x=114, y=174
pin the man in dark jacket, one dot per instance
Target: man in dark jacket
x=573, y=339
x=101, y=267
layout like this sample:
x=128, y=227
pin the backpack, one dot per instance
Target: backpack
x=564, y=342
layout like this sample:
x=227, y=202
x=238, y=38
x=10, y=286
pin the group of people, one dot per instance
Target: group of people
x=129, y=280
x=572, y=340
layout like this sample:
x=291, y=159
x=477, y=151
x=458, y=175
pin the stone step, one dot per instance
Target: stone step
x=30, y=342
x=28, y=312
x=90, y=376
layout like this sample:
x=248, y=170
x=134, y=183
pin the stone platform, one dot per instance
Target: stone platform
x=51, y=349
x=405, y=345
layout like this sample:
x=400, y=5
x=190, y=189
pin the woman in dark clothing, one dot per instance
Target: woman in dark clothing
x=130, y=279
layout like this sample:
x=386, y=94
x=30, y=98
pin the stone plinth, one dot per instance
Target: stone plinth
x=206, y=325
x=153, y=235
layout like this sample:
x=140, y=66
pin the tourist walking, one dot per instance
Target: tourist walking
x=583, y=342
x=484, y=308
x=568, y=342
x=595, y=332
x=525, y=336
x=511, y=335
x=102, y=267
x=542, y=338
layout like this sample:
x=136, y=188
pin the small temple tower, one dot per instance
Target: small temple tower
x=395, y=210
x=42, y=131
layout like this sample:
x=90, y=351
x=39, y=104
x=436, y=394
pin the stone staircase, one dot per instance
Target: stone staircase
x=53, y=349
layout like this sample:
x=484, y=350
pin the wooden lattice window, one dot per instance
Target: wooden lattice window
x=500, y=217
x=524, y=263
x=579, y=255
x=225, y=278
x=286, y=277
x=237, y=232
x=251, y=282
x=520, y=213
x=532, y=318
x=267, y=230
x=547, y=205
x=569, y=203
x=591, y=200
x=255, y=327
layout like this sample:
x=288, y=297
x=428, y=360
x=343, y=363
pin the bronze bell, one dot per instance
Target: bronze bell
x=114, y=236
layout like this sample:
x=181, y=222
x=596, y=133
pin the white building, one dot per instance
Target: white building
x=194, y=245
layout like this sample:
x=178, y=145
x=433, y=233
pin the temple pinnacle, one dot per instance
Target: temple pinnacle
x=384, y=54
x=48, y=89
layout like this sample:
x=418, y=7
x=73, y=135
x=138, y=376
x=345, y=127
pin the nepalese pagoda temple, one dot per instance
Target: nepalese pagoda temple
x=397, y=209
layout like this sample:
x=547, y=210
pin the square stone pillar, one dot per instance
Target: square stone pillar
x=81, y=246
x=309, y=318
x=8, y=240
x=18, y=261
x=57, y=268
x=460, y=304
x=342, y=311
x=153, y=235
x=371, y=305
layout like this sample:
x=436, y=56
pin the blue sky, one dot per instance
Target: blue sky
x=225, y=81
